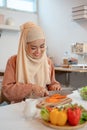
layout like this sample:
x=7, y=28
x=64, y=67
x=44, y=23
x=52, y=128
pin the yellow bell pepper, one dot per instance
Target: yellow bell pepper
x=58, y=117
x=54, y=116
x=62, y=118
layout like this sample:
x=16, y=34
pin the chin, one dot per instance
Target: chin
x=37, y=57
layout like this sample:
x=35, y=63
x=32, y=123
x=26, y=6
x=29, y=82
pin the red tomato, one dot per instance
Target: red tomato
x=49, y=108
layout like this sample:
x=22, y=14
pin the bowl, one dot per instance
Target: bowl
x=83, y=93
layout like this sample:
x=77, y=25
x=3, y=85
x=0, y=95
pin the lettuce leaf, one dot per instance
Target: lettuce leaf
x=44, y=114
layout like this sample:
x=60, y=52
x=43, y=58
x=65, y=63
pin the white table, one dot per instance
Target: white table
x=12, y=117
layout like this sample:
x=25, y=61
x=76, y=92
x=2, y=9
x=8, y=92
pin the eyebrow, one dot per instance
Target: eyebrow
x=36, y=46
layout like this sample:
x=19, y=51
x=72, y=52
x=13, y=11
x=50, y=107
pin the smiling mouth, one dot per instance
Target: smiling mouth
x=37, y=55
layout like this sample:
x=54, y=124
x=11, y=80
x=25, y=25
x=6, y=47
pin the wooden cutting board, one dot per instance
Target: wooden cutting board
x=43, y=103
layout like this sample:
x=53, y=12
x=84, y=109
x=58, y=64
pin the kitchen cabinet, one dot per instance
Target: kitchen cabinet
x=79, y=12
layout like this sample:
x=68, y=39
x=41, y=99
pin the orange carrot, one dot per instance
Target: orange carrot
x=55, y=98
x=49, y=108
x=58, y=96
x=52, y=100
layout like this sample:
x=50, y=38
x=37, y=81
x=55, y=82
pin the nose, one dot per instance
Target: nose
x=38, y=50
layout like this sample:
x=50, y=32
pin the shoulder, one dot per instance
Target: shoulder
x=50, y=62
x=12, y=60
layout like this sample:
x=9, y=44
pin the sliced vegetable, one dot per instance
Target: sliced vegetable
x=58, y=96
x=52, y=100
x=55, y=98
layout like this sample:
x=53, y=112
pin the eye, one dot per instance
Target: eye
x=33, y=48
x=42, y=46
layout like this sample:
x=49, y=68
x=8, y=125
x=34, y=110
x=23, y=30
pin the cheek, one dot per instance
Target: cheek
x=29, y=51
x=42, y=51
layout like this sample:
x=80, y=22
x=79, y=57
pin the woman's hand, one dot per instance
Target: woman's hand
x=39, y=91
x=54, y=87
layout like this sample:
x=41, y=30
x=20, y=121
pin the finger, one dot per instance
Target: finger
x=46, y=93
x=60, y=88
x=55, y=87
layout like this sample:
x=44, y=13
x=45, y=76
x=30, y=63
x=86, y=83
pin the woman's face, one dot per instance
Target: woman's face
x=36, y=48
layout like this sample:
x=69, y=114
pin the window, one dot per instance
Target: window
x=1, y=3
x=22, y=5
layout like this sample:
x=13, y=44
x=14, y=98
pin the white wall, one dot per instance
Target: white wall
x=9, y=39
x=55, y=16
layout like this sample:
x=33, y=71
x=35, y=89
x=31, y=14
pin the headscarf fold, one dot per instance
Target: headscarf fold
x=29, y=70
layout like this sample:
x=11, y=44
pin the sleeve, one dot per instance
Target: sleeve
x=53, y=80
x=11, y=90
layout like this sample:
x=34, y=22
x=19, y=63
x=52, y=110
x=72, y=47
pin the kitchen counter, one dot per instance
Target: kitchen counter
x=13, y=117
x=62, y=69
x=65, y=74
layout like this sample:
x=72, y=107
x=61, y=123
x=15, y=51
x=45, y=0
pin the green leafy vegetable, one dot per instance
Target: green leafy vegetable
x=44, y=114
x=83, y=117
x=83, y=92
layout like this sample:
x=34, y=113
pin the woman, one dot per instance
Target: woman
x=29, y=73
